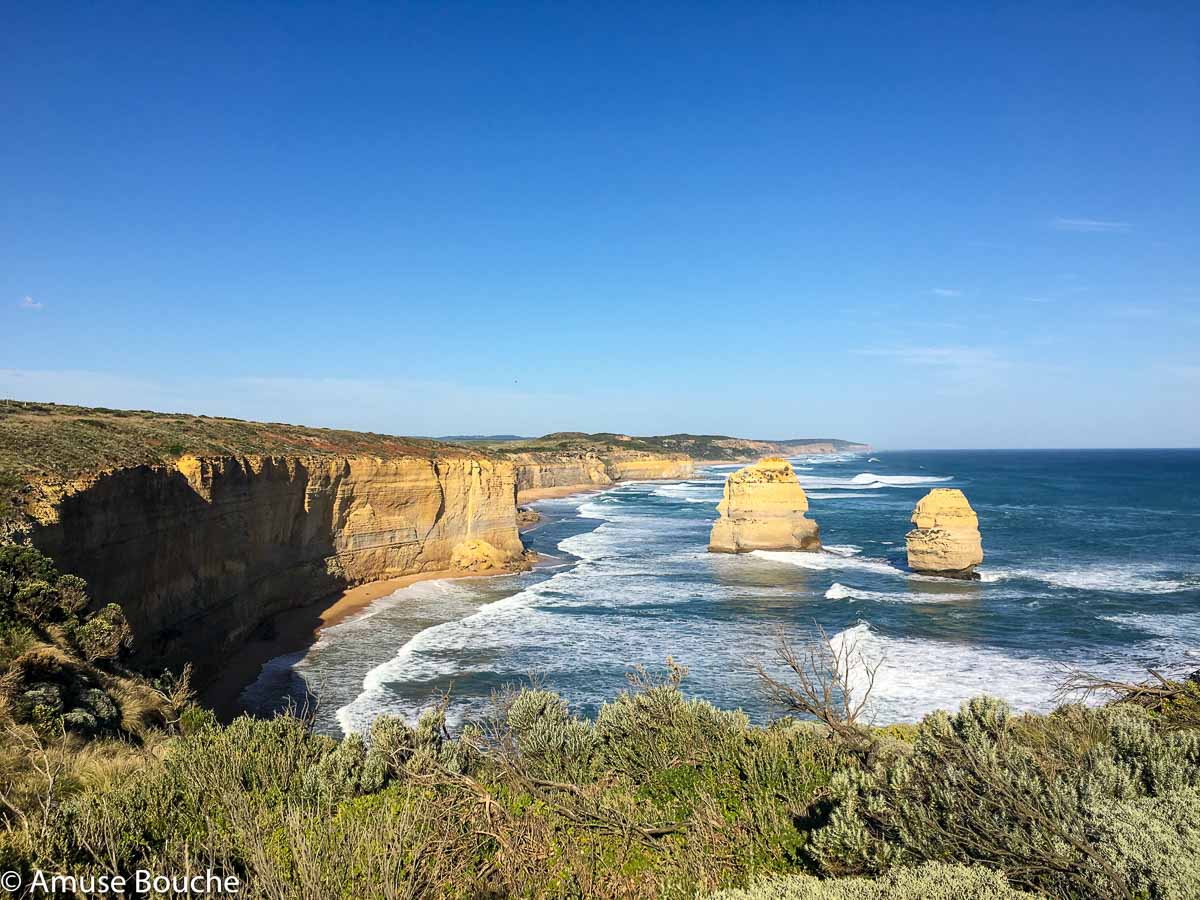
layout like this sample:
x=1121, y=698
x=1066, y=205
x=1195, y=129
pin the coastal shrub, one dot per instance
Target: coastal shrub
x=1154, y=841
x=346, y=772
x=59, y=667
x=984, y=786
x=931, y=881
x=549, y=739
x=653, y=727
x=104, y=635
x=660, y=796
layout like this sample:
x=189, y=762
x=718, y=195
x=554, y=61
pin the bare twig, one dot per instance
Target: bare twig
x=832, y=681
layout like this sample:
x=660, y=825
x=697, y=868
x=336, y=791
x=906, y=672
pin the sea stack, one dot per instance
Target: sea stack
x=946, y=538
x=763, y=509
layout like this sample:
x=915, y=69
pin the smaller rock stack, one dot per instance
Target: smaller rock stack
x=763, y=509
x=946, y=538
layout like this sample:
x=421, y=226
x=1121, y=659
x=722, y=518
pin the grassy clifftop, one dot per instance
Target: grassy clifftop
x=42, y=442
x=697, y=446
x=47, y=439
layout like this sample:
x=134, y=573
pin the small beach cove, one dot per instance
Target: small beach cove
x=287, y=662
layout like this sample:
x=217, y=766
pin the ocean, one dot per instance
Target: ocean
x=1092, y=559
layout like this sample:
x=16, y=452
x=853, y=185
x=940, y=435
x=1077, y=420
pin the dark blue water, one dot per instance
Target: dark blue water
x=1092, y=559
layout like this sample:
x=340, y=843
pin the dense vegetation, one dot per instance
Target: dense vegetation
x=103, y=771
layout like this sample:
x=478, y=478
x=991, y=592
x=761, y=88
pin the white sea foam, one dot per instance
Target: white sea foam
x=691, y=491
x=821, y=561
x=869, y=481
x=1181, y=626
x=839, y=591
x=869, y=478
x=843, y=549
x=819, y=481
x=918, y=676
x=1129, y=578
x=836, y=495
x=1174, y=645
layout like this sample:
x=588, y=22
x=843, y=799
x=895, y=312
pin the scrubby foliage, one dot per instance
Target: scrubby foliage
x=931, y=881
x=73, y=719
x=59, y=665
x=660, y=796
x=1064, y=804
x=104, y=772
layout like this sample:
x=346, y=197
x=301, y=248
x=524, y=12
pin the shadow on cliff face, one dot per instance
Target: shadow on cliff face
x=198, y=575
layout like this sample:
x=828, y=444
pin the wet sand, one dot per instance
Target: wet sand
x=297, y=629
x=294, y=630
x=554, y=493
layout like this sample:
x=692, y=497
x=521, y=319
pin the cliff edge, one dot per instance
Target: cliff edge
x=763, y=509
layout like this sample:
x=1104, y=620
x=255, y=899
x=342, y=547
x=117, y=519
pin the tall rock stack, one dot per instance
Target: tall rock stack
x=763, y=509
x=946, y=539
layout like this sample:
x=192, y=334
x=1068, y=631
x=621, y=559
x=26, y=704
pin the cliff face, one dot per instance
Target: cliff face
x=201, y=552
x=946, y=538
x=540, y=471
x=763, y=509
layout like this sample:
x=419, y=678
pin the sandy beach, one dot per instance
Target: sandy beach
x=294, y=630
x=553, y=493
x=297, y=629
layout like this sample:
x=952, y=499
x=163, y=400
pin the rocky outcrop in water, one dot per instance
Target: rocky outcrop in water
x=763, y=509
x=946, y=538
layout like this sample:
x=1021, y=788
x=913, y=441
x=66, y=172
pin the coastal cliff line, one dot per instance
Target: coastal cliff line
x=204, y=529
x=540, y=473
x=203, y=551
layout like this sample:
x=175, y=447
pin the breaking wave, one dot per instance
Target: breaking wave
x=1118, y=578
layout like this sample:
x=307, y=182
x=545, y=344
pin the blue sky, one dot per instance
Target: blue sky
x=920, y=225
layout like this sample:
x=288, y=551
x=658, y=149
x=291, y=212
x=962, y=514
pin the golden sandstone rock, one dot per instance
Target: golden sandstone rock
x=479, y=556
x=542, y=472
x=946, y=538
x=763, y=509
x=202, y=551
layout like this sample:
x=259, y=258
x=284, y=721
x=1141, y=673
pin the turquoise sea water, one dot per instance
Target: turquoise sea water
x=1092, y=559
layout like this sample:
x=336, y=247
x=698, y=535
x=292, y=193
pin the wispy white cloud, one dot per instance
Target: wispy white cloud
x=30, y=303
x=947, y=292
x=1037, y=299
x=1064, y=223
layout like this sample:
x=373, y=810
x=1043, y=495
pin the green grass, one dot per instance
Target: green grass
x=46, y=440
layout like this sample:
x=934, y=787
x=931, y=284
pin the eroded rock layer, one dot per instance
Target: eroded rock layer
x=946, y=538
x=540, y=472
x=764, y=508
x=201, y=552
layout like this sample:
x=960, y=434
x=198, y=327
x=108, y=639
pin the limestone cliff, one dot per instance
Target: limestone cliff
x=946, y=539
x=539, y=471
x=763, y=509
x=201, y=552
